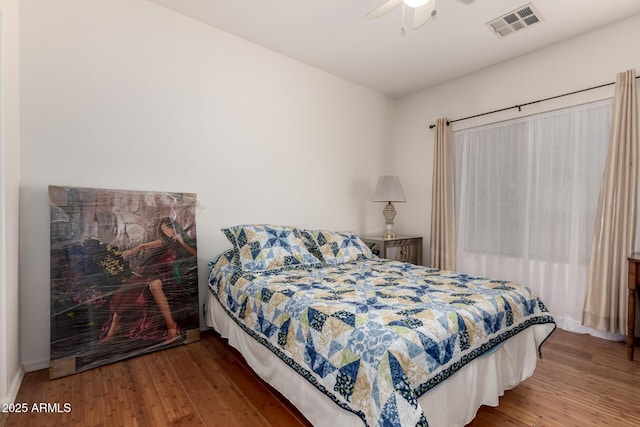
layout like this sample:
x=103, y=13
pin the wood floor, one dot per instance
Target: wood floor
x=580, y=381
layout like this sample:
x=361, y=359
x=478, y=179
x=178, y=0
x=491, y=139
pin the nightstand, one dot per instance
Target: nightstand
x=401, y=248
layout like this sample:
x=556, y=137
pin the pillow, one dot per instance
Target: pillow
x=262, y=247
x=225, y=258
x=337, y=248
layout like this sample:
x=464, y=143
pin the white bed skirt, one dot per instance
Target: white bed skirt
x=452, y=403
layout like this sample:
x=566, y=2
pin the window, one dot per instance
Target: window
x=526, y=197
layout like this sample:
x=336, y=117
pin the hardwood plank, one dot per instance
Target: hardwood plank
x=232, y=388
x=580, y=381
x=149, y=403
x=257, y=391
x=120, y=396
x=167, y=388
x=57, y=394
x=216, y=397
x=34, y=389
x=197, y=382
x=86, y=400
x=494, y=417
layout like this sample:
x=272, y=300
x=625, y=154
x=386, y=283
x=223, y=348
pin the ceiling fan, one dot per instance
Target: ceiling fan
x=423, y=10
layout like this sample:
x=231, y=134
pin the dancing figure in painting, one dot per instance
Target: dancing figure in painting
x=160, y=273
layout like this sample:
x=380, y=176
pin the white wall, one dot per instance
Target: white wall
x=589, y=60
x=125, y=94
x=10, y=368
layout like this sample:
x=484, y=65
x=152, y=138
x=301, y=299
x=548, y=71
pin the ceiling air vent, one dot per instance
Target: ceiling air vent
x=515, y=20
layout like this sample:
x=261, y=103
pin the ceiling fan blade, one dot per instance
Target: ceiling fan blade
x=383, y=9
x=422, y=14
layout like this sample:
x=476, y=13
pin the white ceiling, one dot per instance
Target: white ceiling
x=334, y=36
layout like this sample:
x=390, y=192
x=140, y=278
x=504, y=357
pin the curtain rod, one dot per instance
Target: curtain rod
x=519, y=107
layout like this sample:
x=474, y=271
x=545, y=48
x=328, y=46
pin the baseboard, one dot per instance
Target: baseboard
x=10, y=397
x=35, y=366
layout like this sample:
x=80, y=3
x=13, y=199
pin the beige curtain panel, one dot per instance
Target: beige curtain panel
x=605, y=305
x=442, y=247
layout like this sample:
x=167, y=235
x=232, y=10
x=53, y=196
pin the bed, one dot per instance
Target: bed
x=352, y=339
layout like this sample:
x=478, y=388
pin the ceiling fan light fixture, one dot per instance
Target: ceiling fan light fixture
x=423, y=10
x=415, y=3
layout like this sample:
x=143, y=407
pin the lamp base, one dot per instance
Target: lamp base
x=389, y=214
x=389, y=234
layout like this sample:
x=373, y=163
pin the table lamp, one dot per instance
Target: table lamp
x=389, y=190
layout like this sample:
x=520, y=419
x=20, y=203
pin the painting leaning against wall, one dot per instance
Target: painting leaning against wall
x=124, y=275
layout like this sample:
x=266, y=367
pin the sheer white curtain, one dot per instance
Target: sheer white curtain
x=526, y=198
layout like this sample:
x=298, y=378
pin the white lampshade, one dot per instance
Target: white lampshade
x=389, y=189
x=415, y=3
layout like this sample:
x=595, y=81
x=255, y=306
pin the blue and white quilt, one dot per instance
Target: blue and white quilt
x=374, y=335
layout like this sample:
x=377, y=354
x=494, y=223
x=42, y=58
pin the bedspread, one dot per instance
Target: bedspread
x=375, y=335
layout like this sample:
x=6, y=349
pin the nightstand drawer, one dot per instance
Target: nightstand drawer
x=402, y=248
